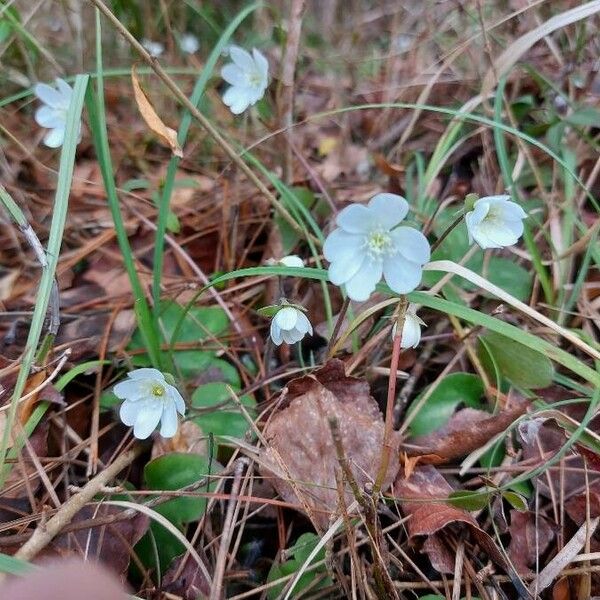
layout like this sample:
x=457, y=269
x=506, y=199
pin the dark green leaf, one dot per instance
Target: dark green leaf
x=453, y=390
x=469, y=500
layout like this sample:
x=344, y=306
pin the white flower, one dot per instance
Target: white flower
x=366, y=245
x=154, y=48
x=189, y=43
x=291, y=261
x=411, y=330
x=148, y=401
x=53, y=114
x=495, y=222
x=289, y=325
x=248, y=76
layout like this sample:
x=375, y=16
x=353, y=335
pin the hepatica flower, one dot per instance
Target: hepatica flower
x=495, y=222
x=147, y=401
x=367, y=244
x=189, y=43
x=53, y=113
x=411, y=331
x=153, y=48
x=248, y=76
x=289, y=325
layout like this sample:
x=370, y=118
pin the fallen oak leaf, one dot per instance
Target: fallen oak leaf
x=165, y=133
x=466, y=431
x=299, y=436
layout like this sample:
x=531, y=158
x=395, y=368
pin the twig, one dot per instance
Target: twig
x=44, y=534
x=338, y=326
x=204, y=122
x=286, y=96
x=215, y=591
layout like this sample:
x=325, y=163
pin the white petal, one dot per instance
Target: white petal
x=237, y=99
x=303, y=325
x=291, y=261
x=49, y=95
x=129, y=412
x=402, y=275
x=146, y=373
x=147, y=419
x=261, y=62
x=169, y=422
x=50, y=118
x=55, y=137
x=287, y=318
x=176, y=398
x=65, y=89
x=412, y=244
x=490, y=235
x=340, y=244
x=360, y=287
x=411, y=332
x=389, y=209
x=511, y=211
x=480, y=210
x=356, y=218
x=241, y=58
x=276, y=333
x=292, y=336
x=129, y=390
x=233, y=75
x=345, y=268
x=516, y=228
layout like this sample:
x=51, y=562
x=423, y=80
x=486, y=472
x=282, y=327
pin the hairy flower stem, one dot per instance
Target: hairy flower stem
x=445, y=234
x=338, y=325
x=391, y=396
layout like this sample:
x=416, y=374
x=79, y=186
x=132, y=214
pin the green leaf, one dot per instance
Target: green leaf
x=300, y=552
x=289, y=237
x=510, y=276
x=174, y=471
x=454, y=389
x=587, y=116
x=519, y=364
x=468, y=500
x=226, y=418
x=14, y=566
x=517, y=501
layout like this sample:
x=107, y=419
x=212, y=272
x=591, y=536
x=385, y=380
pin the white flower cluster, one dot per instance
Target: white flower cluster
x=53, y=113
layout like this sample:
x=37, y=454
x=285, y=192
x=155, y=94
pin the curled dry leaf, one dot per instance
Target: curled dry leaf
x=189, y=439
x=529, y=539
x=166, y=134
x=422, y=498
x=300, y=445
x=466, y=431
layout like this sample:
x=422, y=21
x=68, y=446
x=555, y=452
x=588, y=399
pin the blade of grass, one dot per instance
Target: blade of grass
x=59, y=215
x=186, y=121
x=97, y=117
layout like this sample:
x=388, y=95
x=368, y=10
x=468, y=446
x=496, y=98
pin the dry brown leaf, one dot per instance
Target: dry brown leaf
x=466, y=431
x=529, y=539
x=423, y=498
x=166, y=134
x=299, y=435
x=190, y=439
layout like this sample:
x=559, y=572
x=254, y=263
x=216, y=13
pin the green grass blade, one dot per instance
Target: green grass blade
x=97, y=117
x=59, y=215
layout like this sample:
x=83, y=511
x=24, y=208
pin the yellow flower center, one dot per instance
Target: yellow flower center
x=378, y=243
x=158, y=390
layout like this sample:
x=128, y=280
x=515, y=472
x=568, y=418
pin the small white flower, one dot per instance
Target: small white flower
x=368, y=244
x=411, y=330
x=248, y=76
x=289, y=325
x=53, y=113
x=189, y=43
x=291, y=261
x=148, y=401
x=154, y=48
x=495, y=222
